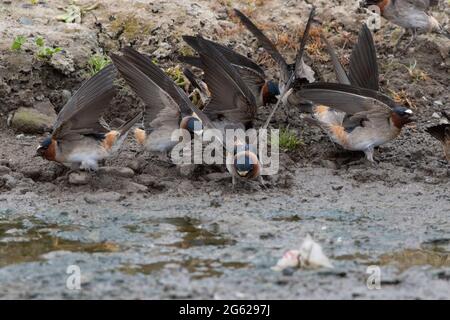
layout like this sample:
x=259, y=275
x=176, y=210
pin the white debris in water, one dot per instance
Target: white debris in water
x=289, y=260
x=310, y=255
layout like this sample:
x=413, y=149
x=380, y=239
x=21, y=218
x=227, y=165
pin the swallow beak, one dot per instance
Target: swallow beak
x=38, y=153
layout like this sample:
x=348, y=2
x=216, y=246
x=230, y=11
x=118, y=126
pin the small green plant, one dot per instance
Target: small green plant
x=177, y=75
x=97, y=62
x=288, y=140
x=72, y=15
x=18, y=43
x=45, y=52
x=34, y=2
x=416, y=74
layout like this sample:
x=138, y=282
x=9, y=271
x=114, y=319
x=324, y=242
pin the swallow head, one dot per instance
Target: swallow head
x=247, y=165
x=44, y=148
x=192, y=124
x=401, y=116
x=270, y=92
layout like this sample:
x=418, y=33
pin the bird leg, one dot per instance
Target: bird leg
x=397, y=44
x=413, y=37
x=261, y=180
x=233, y=180
x=369, y=155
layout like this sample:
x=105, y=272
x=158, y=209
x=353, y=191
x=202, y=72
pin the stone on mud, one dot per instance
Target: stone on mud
x=133, y=187
x=79, y=178
x=117, y=171
x=4, y=170
x=31, y=121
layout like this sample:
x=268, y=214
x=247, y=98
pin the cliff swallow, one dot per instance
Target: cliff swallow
x=265, y=91
x=412, y=15
x=296, y=72
x=232, y=106
x=442, y=133
x=79, y=140
x=356, y=118
x=166, y=104
x=363, y=70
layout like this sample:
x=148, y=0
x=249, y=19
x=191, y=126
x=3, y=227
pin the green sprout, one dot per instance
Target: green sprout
x=177, y=76
x=288, y=140
x=72, y=15
x=97, y=62
x=45, y=52
x=18, y=43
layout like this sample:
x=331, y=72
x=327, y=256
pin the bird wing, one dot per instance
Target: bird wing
x=420, y=4
x=230, y=96
x=441, y=132
x=193, y=61
x=252, y=79
x=162, y=80
x=339, y=70
x=345, y=98
x=161, y=110
x=363, y=62
x=81, y=114
x=229, y=54
x=267, y=45
x=300, y=69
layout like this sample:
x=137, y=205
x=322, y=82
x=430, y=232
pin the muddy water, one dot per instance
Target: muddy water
x=190, y=247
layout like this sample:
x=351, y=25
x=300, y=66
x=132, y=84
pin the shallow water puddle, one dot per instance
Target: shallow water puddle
x=21, y=243
x=197, y=268
x=194, y=234
x=434, y=253
x=409, y=258
x=293, y=218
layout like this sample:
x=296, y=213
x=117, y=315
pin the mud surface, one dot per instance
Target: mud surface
x=151, y=232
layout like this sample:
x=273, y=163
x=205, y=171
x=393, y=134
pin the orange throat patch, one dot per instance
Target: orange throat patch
x=50, y=153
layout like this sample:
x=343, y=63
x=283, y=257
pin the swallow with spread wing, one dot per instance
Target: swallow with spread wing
x=265, y=91
x=166, y=104
x=232, y=106
x=442, y=133
x=79, y=140
x=358, y=119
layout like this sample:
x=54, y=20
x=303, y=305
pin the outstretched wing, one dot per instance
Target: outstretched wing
x=233, y=57
x=162, y=80
x=345, y=98
x=267, y=45
x=161, y=114
x=339, y=70
x=81, y=114
x=363, y=62
x=230, y=96
x=299, y=64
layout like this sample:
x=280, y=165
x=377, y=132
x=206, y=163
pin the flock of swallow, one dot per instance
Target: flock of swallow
x=352, y=112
